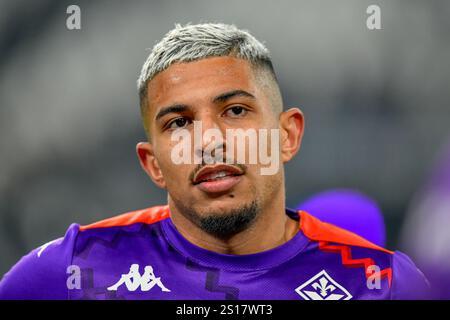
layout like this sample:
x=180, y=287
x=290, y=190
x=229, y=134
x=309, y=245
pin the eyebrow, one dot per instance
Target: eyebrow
x=178, y=108
x=231, y=94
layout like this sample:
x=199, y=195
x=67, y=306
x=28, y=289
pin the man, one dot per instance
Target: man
x=225, y=232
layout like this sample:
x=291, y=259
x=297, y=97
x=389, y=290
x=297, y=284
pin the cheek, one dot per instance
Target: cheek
x=271, y=184
x=176, y=176
x=173, y=171
x=163, y=149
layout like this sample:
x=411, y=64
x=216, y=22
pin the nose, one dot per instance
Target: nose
x=209, y=142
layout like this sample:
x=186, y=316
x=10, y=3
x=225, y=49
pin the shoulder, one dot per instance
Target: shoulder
x=41, y=274
x=146, y=216
x=405, y=279
x=409, y=282
x=119, y=231
x=327, y=234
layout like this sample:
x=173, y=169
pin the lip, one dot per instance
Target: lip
x=205, y=180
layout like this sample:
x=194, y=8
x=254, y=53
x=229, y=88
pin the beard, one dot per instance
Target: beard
x=222, y=224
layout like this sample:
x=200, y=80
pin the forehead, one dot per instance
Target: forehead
x=202, y=79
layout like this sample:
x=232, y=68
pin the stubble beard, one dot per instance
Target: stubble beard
x=222, y=224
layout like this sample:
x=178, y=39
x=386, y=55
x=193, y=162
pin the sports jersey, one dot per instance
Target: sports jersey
x=142, y=255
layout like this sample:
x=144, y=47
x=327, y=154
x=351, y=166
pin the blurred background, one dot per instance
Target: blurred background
x=376, y=102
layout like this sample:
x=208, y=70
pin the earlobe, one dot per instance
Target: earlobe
x=149, y=163
x=292, y=126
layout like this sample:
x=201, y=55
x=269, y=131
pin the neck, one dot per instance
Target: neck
x=270, y=229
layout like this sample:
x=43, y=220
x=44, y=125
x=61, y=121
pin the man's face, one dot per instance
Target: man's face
x=221, y=93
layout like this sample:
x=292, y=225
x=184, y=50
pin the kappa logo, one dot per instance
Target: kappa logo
x=134, y=280
x=323, y=287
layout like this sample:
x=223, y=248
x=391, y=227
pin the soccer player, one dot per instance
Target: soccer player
x=225, y=232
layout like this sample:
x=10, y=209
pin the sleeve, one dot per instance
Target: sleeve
x=41, y=274
x=408, y=283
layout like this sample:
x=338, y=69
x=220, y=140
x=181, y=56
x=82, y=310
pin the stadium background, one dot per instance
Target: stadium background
x=376, y=103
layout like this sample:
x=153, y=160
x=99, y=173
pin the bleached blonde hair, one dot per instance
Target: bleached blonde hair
x=194, y=42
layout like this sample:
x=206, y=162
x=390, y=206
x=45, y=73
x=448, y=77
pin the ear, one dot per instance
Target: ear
x=291, y=127
x=149, y=163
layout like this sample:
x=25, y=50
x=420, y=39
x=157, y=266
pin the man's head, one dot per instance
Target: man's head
x=222, y=78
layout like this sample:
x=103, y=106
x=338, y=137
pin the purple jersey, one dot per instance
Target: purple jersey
x=141, y=255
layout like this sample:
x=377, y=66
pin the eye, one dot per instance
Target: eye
x=236, y=111
x=178, y=123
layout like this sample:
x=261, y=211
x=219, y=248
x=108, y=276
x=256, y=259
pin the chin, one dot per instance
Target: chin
x=225, y=203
